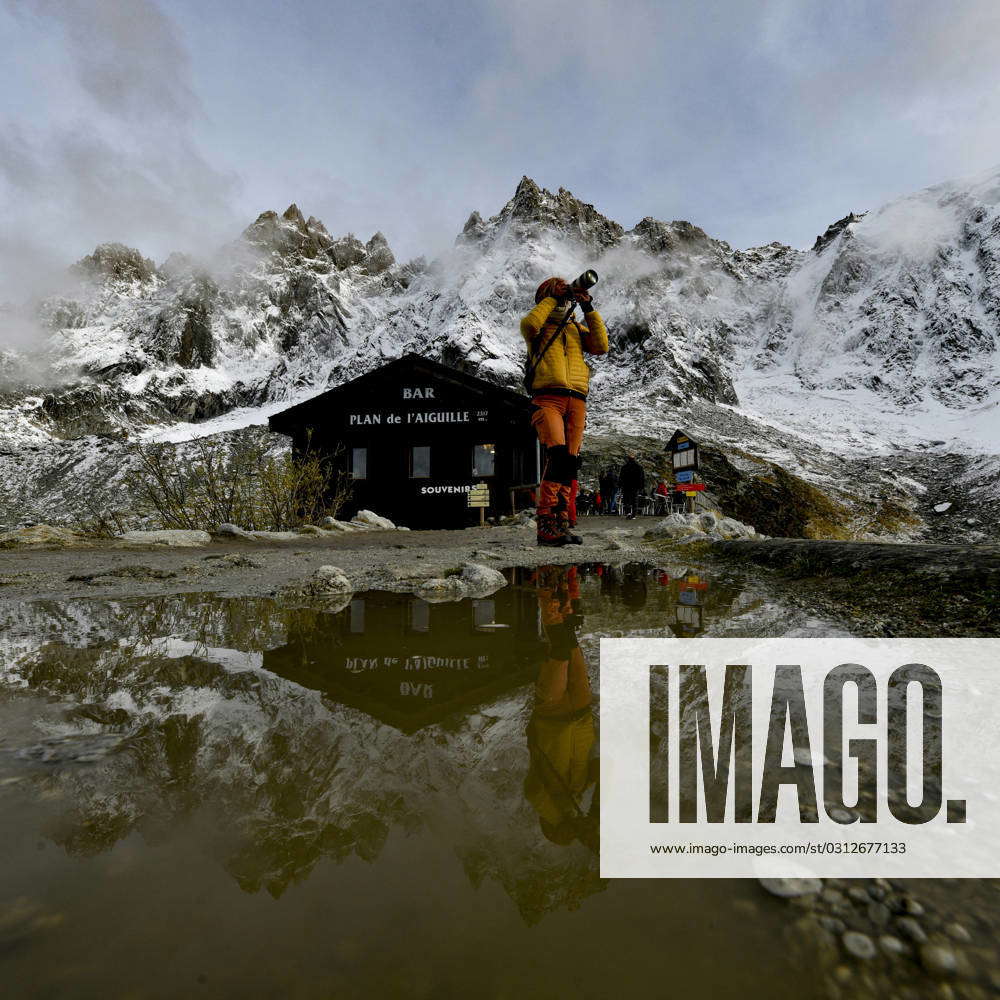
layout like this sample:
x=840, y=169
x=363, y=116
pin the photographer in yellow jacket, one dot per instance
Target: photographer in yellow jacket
x=558, y=380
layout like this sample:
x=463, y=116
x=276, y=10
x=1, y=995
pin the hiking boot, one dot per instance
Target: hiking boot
x=571, y=539
x=549, y=532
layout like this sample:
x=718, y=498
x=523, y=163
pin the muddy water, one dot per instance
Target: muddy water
x=220, y=797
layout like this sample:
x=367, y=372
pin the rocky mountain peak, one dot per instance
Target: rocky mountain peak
x=294, y=216
x=834, y=230
x=666, y=237
x=291, y=235
x=115, y=262
x=379, y=257
x=474, y=228
x=537, y=207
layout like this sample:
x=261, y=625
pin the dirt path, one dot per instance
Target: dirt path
x=373, y=560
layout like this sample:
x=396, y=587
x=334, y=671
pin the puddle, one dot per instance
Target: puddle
x=387, y=798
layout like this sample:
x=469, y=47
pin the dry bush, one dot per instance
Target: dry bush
x=207, y=483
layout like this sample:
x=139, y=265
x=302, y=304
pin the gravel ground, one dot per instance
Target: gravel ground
x=375, y=560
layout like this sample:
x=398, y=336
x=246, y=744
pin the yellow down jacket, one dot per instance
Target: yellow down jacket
x=563, y=366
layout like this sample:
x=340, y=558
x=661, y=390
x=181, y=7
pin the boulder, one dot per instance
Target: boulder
x=674, y=526
x=232, y=531
x=698, y=536
x=175, y=538
x=482, y=580
x=447, y=588
x=730, y=528
x=275, y=536
x=790, y=887
x=332, y=524
x=38, y=534
x=331, y=580
x=373, y=520
x=706, y=522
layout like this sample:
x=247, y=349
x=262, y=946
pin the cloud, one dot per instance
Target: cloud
x=114, y=156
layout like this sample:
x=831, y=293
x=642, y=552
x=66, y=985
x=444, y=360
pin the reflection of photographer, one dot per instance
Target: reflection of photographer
x=561, y=733
x=557, y=376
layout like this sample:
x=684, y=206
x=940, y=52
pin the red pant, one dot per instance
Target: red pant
x=558, y=422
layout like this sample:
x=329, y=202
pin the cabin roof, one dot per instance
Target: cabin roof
x=679, y=434
x=406, y=367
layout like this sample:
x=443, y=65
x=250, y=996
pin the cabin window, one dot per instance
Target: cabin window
x=483, y=614
x=420, y=616
x=359, y=463
x=358, y=616
x=483, y=459
x=420, y=462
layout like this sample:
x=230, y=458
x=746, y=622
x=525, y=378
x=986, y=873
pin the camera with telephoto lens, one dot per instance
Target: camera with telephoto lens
x=586, y=280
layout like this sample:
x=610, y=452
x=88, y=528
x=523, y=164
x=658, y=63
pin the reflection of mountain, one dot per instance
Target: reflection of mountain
x=267, y=717
x=203, y=729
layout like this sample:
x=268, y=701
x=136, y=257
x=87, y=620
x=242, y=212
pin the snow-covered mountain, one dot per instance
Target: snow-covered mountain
x=874, y=352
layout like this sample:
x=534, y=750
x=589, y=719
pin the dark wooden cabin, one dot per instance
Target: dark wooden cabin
x=415, y=436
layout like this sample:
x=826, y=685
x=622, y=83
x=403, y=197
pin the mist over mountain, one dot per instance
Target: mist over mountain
x=876, y=346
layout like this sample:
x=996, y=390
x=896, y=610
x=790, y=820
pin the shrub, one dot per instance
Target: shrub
x=213, y=481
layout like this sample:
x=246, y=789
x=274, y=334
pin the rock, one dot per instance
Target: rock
x=674, y=526
x=878, y=914
x=332, y=524
x=448, y=588
x=706, y=522
x=839, y=815
x=176, y=538
x=958, y=932
x=891, y=945
x=789, y=887
x=909, y=928
x=691, y=539
x=524, y=518
x=729, y=528
x=232, y=531
x=38, y=534
x=859, y=945
x=939, y=960
x=373, y=520
x=482, y=580
x=238, y=560
x=331, y=580
x=275, y=536
x=309, y=529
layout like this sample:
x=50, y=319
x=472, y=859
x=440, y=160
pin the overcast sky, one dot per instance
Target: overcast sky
x=170, y=124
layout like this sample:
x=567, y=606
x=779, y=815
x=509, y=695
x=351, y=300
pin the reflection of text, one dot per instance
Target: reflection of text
x=362, y=664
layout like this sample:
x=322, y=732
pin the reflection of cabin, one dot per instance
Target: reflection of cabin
x=415, y=436
x=689, y=614
x=410, y=663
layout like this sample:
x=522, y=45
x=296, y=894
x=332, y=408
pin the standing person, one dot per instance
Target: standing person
x=609, y=484
x=558, y=389
x=632, y=479
x=662, y=497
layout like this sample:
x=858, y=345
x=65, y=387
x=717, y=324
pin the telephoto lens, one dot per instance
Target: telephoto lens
x=586, y=280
